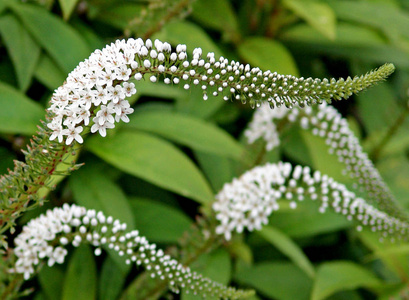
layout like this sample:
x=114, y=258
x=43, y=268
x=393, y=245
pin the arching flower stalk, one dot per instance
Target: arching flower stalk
x=95, y=92
x=248, y=201
x=47, y=238
x=326, y=122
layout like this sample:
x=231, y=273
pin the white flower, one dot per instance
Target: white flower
x=73, y=133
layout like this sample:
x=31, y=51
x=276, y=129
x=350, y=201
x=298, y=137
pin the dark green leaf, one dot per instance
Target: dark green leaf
x=154, y=160
x=338, y=276
x=81, y=277
x=95, y=191
x=157, y=221
x=18, y=113
x=188, y=131
x=51, y=280
x=288, y=247
x=23, y=50
x=48, y=72
x=111, y=280
x=60, y=40
x=268, y=54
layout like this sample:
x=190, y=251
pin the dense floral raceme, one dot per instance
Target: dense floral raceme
x=94, y=94
x=248, y=201
x=48, y=236
x=326, y=122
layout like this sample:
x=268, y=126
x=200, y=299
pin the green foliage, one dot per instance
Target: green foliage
x=161, y=170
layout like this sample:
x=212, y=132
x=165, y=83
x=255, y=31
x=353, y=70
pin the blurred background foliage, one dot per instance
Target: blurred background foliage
x=178, y=150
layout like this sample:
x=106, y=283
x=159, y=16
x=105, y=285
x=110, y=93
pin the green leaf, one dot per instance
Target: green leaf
x=268, y=54
x=6, y=160
x=218, y=15
x=352, y=42
x=48, y=72
x=60, y=40
x=119, y=15
x=184, y=32
x=22, y=49
x=18, y=114
x=92, y=189
x=378, y=15
x=51, y=280
x=167, y=228
x=307, y=221
x=338, y=276
x=111, y=280
x=81, y=276
x=319, y=15
x=188, y=131
x=278, y=280
x=153, y=160
x=288, y=247
x=67, y=7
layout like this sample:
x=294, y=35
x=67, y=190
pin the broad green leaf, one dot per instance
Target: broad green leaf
x=319, y=15
x=119, y=15
x=378, y=15
x=81, y=276
x=338, y=276
x=278, y=280
x=93, y=189
x=60, y=40
x=22, y=49
x=48, y=72
x=268, y=54
x=157, y=221
x=184, y=32
x=111, y=280
x=51, y=280
x=67, y=7
x=352, y=42
x=188, y=131
x=306, y=220
x=217, y=14
x=219, y=170
x=93, y=40
x=216, y=266
x=154, y=160
x=18, y=113
x=288, y=247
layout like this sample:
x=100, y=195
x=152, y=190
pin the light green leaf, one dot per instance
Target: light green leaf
x=157, y=221
x=81, y=276
x=60, y=40
x=338, y=276
x=278, y=280
x=319, y=15
x=67, y=7
x=153, y=160
x=23, y=50
x=18, y=114
x=111, y=280
x=95, y=191
x=268, y=54
x=188, y=131
x=288, y=247
x=48, y=72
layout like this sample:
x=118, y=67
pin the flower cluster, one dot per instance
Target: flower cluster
x=97, y=88
x=248, y=201
x=326, y=122
x=47, y=237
